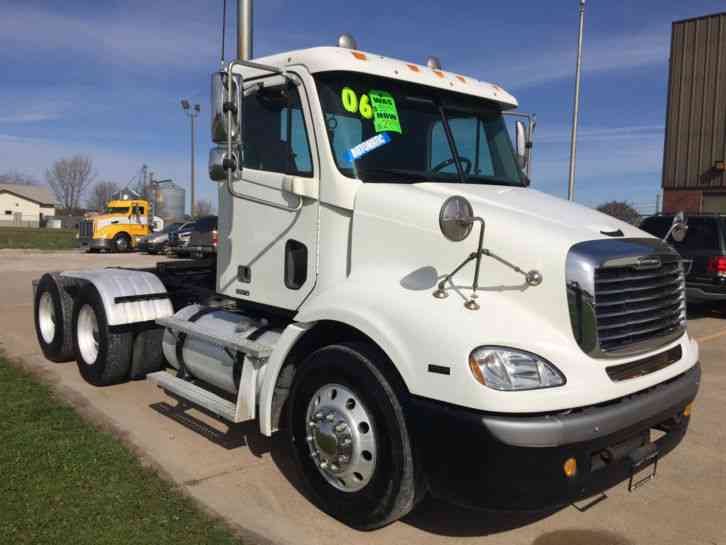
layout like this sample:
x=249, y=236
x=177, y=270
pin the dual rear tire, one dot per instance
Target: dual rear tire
x=74, y=326
x=103, y=354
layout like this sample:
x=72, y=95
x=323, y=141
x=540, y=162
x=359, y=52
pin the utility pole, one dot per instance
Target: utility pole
x=244, y=29
x=192, y=112
x=576, y=107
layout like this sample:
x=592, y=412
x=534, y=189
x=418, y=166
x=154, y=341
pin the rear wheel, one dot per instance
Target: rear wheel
x=53, y=311
x=121, y=242
x=350, y=438
x=103, y=356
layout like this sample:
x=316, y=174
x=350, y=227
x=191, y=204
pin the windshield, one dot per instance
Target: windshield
x=117, y=210
x=383, y=130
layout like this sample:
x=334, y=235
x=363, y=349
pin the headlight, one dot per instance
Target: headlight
x=509, y=369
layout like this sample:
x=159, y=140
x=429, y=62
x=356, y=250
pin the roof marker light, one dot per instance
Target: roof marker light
x=347, y=41
x=462, y=79
x=433, y=63
x=439, y=73
x=413, y=67
x=360, y=56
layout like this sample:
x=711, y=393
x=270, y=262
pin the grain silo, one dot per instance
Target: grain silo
x=169, y=200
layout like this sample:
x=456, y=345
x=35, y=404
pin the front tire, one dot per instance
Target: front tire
x=103, y=356
x=349, y=437
x=53, y=310
x=121, y=243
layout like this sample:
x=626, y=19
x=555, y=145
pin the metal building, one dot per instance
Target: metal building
x=169, y=200
x=694, y=161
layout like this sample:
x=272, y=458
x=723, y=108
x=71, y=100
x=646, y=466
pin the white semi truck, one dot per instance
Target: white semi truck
x=390, y=293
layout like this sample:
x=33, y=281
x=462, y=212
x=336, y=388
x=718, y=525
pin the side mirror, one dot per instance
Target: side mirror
x=220, y=106
x=219, y=163
x=520, y=143
x=679, y=228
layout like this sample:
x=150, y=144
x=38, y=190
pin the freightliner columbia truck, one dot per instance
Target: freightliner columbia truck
x=390, y=294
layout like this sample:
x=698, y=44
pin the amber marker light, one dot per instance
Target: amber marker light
x=476, y=371
x=570, y=467
x=360, y=56
x=688, y=410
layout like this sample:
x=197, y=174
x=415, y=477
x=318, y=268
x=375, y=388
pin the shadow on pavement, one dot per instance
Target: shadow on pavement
x=442, y=518
x=582, y=537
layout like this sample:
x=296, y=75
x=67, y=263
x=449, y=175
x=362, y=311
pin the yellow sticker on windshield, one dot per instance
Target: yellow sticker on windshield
x=385, y=114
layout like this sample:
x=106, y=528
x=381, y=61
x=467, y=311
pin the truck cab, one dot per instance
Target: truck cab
x=391, y=294
x=119, y=228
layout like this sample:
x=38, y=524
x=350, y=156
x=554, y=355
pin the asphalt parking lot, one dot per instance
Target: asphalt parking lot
x=247, y=479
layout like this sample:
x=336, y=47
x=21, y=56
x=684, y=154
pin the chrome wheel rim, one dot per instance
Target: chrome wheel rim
x=341, y=437
x=87, y=332
x=122, y=244
x=46, y=317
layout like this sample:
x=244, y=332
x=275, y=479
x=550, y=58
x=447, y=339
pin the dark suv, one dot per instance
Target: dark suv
x=705, y=247
x=203, y=240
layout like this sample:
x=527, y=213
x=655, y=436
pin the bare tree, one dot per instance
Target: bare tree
x=17, y=178
x=101, y=193
x=621, y=210
x=70, y=179
x=204, y=208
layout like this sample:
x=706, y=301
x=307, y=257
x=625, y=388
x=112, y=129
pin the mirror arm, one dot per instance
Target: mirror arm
x=531, y=278
x=229, y=164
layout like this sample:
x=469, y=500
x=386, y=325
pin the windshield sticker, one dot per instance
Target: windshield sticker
x=367, y=146
x=351, y=103
x=385, y=114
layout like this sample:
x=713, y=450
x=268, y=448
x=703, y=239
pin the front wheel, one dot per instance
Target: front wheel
x=121, y=242
x=349, y=437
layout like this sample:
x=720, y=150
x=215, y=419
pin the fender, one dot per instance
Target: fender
x=128, y=296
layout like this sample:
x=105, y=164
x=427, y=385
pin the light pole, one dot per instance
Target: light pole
x=576, y=108
x=192, y=112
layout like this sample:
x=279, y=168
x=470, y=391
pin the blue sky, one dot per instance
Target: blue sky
x=105, y=78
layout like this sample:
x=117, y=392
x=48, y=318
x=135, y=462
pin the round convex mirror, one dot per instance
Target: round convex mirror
x=456, y=218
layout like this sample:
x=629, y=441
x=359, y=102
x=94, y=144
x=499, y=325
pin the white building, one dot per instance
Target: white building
x=25, y=205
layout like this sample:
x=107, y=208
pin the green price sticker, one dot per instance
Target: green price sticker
x=385, y=114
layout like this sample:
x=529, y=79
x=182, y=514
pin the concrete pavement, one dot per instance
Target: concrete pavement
x=247, y=478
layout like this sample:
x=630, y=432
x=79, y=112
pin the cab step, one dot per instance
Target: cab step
x=230, y=342
x=195, y=395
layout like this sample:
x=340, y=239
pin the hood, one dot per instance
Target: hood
x=537, y=207
x=525, y=229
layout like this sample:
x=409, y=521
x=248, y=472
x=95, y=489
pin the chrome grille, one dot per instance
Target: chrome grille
x=626, y=297
x=632, y=306
x=85, y=229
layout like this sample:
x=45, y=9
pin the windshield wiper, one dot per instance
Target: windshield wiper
x=452, y=144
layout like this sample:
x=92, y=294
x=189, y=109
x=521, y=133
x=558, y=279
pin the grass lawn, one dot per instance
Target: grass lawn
x=64, y=482
x=37, y=239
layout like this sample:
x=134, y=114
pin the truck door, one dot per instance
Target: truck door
x=266, y=254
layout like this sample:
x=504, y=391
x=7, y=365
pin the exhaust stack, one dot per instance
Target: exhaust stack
x=244, y=29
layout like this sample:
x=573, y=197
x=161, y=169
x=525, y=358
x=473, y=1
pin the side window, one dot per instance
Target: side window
x=275, y=138
x=702, y=234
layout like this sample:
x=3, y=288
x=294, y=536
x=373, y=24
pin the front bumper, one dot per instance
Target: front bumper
x=86, y=243
x=516, y=462
x=705, y=294
x=201, y=250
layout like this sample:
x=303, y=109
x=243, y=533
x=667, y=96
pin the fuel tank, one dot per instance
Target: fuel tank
x=206, y=361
